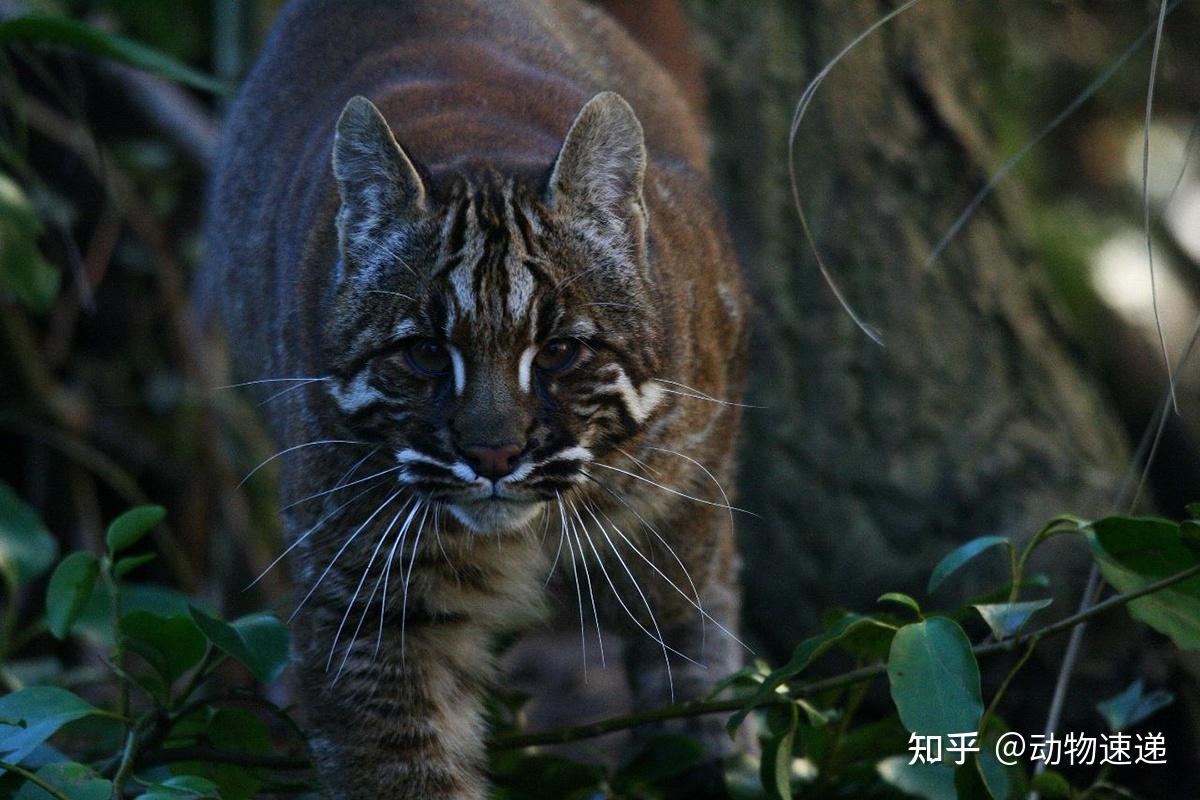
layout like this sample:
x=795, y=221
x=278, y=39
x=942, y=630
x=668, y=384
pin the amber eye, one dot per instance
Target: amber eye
x=556, y=355
x=428, y=357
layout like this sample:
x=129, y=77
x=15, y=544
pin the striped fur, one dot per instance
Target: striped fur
x=491, y=197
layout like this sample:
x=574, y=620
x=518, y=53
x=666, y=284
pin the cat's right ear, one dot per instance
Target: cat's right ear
x=378, y=183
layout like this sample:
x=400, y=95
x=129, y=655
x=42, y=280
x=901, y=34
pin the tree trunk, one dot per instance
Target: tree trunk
x=868, y=464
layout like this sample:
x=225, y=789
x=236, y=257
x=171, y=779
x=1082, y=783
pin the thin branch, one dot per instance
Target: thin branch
x=172, y=755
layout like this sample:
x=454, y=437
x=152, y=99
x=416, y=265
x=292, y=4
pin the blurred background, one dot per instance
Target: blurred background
x=1019, y=371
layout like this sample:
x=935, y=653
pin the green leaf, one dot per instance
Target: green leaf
x=127, y=529
x=26, y=548
x=1051, y=785
x=1007, y=619
x=46, y=29
x=259, y=641
x=24, y=273
x=928, y=781
x=96, y=621
x=902, y=599
x=1131, y=706
x=775, y=769
x=959, y=556
x=70, y=587
x=1002, y=781
x=172, y=645
x=41, y=711
x=934, y=678
x=1132, y=553
x=182, y=787
x=802, y=656
x=76, y=781
x=128, y=564
x=657, y=758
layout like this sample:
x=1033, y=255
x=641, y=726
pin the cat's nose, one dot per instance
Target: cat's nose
x=493, y=463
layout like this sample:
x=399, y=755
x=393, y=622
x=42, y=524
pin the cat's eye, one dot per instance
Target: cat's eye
x=428, y=357
x=557, y=355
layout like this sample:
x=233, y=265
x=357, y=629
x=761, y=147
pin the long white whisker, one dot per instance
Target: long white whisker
x=675, y=492
x=562, y=534
x=591, y=596
x=339, y=487
x=291, y=449
x=579, y=601
x=305, y=535
x=387, y=575
x=694, y=603
x=291, y=389
x=408, y=579
x=354, y=598
x=705, y=470
x=699, y=395
x=267, y=380
x=662, y=540
x=342, y=549
x=646, y=602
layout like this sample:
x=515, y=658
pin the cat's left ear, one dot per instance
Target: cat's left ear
x=378, y=183
x=602, y=165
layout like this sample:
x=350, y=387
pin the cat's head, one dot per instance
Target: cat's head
x=494, y=335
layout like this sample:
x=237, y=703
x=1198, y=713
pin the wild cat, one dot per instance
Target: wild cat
x=479, y=237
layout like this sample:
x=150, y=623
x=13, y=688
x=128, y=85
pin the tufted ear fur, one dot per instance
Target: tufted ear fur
x=380, y=187
x=601, y=166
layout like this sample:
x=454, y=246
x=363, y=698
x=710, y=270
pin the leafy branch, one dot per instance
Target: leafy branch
x=695, y=708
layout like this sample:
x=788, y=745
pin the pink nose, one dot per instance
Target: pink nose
x=493, y=462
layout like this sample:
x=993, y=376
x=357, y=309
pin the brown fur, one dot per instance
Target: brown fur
x=479, y=96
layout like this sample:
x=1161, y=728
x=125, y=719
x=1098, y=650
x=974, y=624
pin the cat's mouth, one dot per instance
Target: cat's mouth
x=495, y=513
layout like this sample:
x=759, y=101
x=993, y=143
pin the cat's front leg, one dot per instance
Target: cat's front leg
x=403, y=723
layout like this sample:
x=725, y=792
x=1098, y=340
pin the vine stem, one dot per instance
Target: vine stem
x=696, y=708
x=41, y=783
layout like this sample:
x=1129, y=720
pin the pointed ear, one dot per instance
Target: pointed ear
x=377, y=181
x=602, y=163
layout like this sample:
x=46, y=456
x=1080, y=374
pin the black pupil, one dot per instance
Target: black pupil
x=556, y=355
x=429, y=356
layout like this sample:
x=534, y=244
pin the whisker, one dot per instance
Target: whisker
x=291, y=389
x=699, y=395
x=579, y=601
x=354, y=597
x=387, y=575
x=562, y=535
x=694, y=603
x=291, y=449
x=396, y=294
x=266, y=380
x=675, y=492
x=339, y=487
x=408, y=579
x=653, y=619
x=342, y=549
x=592, y=596
x=304, y=536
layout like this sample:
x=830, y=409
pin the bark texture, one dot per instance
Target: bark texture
x=868, y=464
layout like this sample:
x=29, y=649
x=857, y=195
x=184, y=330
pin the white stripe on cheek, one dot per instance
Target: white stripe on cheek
x=525, y=368
x=460, y=372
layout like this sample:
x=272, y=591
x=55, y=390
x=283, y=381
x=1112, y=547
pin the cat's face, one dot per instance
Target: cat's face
x=494, y=337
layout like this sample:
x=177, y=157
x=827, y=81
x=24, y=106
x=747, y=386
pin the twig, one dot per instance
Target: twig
x=697, y=708
x=41, y=783
x=171, y=755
